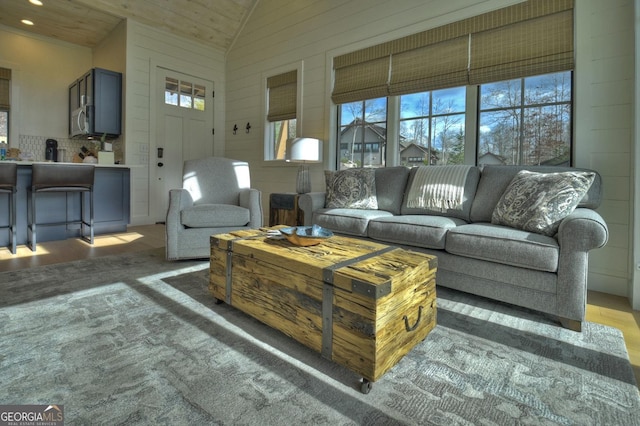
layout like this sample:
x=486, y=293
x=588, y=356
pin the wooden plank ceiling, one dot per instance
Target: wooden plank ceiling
x=86, y=22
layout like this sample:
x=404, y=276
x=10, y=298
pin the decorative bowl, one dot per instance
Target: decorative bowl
x=306, y=235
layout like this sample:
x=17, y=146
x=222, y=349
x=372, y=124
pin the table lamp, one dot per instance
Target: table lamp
x=304, y=150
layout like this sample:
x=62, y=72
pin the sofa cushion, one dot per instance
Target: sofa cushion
x=537, y=202
x=461, y=212
x=347, y=221
x=214, y=215
x=351, y=189
x=414, y=230
x=390, y=186
x=495, y=179
x=504, y=245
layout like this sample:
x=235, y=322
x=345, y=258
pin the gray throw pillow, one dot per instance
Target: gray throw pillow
x=352, y=188
x=537, y=202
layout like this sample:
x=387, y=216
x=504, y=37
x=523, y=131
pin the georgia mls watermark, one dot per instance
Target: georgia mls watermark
x=32, y=415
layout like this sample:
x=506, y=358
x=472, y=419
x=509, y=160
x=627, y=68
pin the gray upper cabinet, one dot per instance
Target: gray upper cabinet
x=95, y=104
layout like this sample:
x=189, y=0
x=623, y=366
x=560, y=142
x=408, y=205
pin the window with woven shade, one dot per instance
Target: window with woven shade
x=282, y=104
x=495, y=87
x=283, y=89
x=528, y=38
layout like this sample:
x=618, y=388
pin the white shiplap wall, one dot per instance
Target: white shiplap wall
x=42, y=69
x=283, y=32
x=604, y=124
x=148, y=48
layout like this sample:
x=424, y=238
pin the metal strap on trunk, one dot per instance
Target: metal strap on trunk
x=357, y=286
x=229, y=265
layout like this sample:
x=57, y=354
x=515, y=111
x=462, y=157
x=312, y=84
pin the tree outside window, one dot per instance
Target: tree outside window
x=432, y=127
x=526, y=121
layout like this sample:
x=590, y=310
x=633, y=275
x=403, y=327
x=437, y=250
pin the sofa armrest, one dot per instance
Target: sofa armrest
x=309, y=203
x=583, y=230
x=179, y=199
x=252, y=199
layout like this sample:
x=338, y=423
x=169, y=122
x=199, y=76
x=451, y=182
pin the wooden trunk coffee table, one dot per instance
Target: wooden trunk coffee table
x=361, y=304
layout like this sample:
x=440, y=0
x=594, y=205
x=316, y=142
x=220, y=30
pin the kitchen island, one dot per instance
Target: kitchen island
x=111, y=205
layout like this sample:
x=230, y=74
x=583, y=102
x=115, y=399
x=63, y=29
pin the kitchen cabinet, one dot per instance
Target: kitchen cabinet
x=111, y=206
x=95, y=104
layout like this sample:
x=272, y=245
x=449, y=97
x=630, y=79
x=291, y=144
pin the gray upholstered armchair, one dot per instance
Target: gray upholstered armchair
x=215, y=198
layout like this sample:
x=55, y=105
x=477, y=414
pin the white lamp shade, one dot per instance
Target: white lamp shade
x=304, y=149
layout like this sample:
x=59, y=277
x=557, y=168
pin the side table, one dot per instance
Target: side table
x=283, y=209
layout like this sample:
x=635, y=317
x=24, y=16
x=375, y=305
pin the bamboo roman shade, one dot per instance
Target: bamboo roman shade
x=436, y=65
x=5, y=80
x=283, y=95
x=535, y=46
x=528, y=38
x=361, y=80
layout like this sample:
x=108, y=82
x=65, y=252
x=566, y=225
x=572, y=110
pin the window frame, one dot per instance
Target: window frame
x=471, y=123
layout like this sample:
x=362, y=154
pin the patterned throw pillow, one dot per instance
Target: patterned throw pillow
x=351, y=188
x=537, y=202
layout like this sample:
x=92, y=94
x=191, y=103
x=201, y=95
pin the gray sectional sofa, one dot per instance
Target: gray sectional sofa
x=547, y=273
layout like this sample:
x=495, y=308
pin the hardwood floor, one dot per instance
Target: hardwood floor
x=137, y=238
x=602, y=308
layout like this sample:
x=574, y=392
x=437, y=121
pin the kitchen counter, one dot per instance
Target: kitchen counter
x=111, y=205
x=28, y=163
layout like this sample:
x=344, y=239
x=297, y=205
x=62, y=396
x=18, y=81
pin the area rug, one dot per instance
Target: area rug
x=133, y=339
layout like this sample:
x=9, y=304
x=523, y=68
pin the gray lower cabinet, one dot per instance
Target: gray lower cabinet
x=111, y=207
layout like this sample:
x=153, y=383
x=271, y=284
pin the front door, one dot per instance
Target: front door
x=184, y=131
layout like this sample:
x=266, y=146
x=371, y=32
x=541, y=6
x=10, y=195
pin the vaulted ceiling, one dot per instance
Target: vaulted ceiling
x=86, y=22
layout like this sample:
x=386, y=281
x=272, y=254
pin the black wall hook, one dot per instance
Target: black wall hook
x=248, y=126
x=235, y=129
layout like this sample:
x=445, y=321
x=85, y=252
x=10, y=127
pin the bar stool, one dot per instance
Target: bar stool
x=8, y=185
x=68, y=178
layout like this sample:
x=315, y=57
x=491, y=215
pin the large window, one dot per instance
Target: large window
x=526, y=121
x=492, y=88
x=521, y=121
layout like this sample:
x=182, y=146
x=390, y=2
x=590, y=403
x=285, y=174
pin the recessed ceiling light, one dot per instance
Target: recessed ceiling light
x=36, y=2
x=26, y=22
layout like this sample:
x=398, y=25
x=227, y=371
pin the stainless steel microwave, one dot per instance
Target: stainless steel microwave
x=79, y=124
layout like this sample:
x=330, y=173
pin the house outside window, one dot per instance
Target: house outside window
x=362, y=124
x=432, y=125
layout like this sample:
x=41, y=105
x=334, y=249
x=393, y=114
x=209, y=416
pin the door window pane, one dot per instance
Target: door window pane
x=198, y=97
x=171, y=91
x=185, y=94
